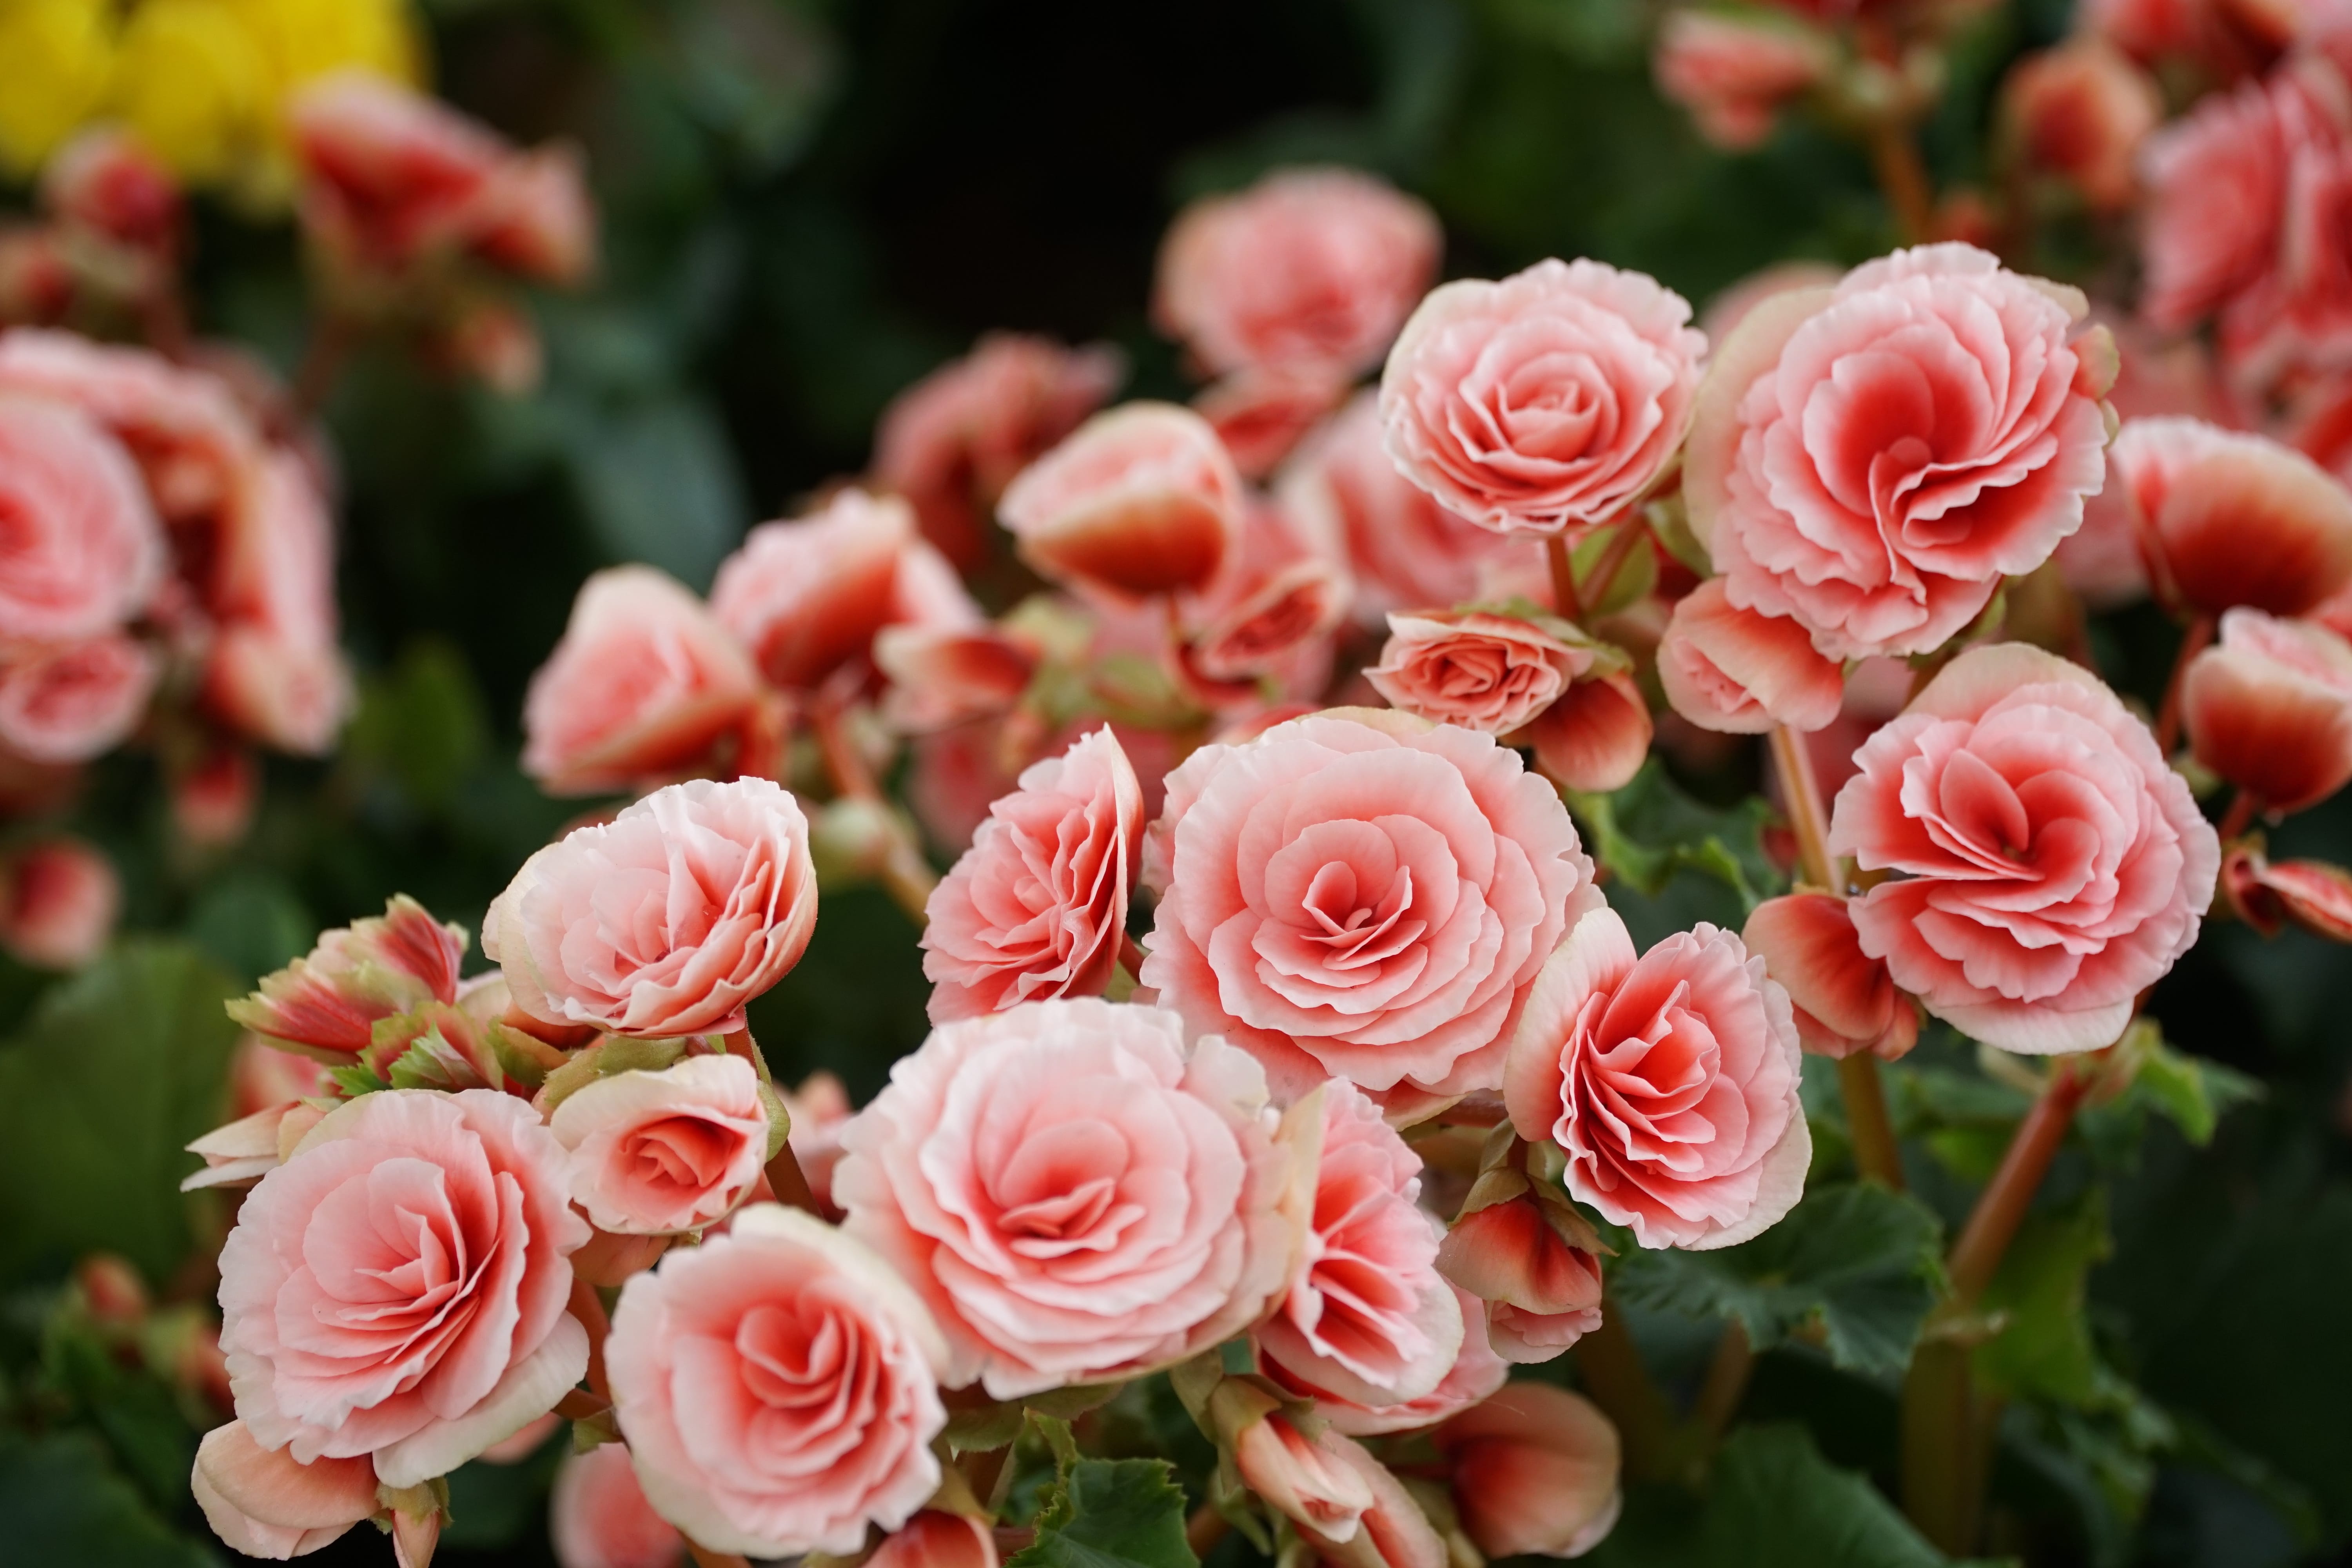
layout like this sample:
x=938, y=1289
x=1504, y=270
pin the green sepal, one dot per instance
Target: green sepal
x=611, y=1053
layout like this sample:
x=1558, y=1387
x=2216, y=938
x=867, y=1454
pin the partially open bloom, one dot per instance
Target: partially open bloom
x=657, y=1153
x=1735, y=72
x=644, y=681
x=72, y=701
x=326, y=1005
x=2230, y=518
x=1268, y=615
x=1476, y=1372
x=1845, y=1000
x=274, y=671
x=1670, y=1079
x=2053, y=866
x=665, y=920
x=2267, y=894
x=1139, y=502
x=60, y=899
x=777, y=1387
x=1532, y=1262
x=1738, y=671
x=2268, y=707
x=421, y=1342
x=597, y=1516
x=1311, y=266
x=1873, y=459
x=1362, y=894
x=1484, y=672
x=2081, y=112
x=1547, y=401
x=1596, y=735
x=1304, y=1479
x=1262, y=414
x=82, y=552
x=1077, y=1195
x=265, y=1503
x=1535, y=1471
x=1037, y=907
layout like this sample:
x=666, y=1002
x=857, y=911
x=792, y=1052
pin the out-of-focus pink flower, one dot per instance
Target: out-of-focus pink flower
x=288, y=695
x=212, y=803
x=2267, y=894
x=1735, y=72
x=1535, y=1471
x=1079, y=1197
x=2216, y=197
x=73, y=701
x=493, y=340
x=328, y=1003
x=106, y=182
x=1545, y=403
x=819, y=1109
x=2054, y=866
x=1740, y=672
x=654, y=1154
x=1827, y=481
x=1269, y=615
x=274, y=671
x=944, y=675
x=2081, y=112
x=645, y=683
x=1036, y=908
x=260, y=1076
x=1313, y=267
x=1261, y=413
x=1669, y=1079
x=265, y=1503
x=1362, y=894
x=1728, y=308
x=533, y=217
x=950, y=442
x=2268, y=707
x=37, y=276
x=1534, y=1266
x=938, y=1539
x=60, y=899
x=1486, y=672
x=665, y=920
x=1597, y=734
x=2233, y=519
x=597, y=1516
x=778, y=1388
x=83, y=551
x=1139, y=502
x=1845, y=1000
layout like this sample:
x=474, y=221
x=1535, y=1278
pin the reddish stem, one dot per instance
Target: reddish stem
x=1631, y=530
x=1205, y=1528
x=2002, y=1207
x=790, y=1183
x=2168, y=718
x=322, y=362
x=2244, y=806
x=1802, y=792
x=1902, y=177
x=1130, y=954
x=1565, y=600
x=588, y=1308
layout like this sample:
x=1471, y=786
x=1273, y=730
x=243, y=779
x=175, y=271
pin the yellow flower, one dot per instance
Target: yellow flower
x=305, y=38
x=54, y=59
x=195, y=85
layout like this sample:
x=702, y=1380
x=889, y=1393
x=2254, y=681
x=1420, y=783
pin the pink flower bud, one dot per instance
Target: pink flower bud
x=1139, y=502
x=2081, y=112
x=1741, y=672
x=1845, y=1000
x=937, y=1539
x=1535, y=1469
x=1270, y=613
x=1539, y=1276
x=2267, y=894
x=495, y=342
x=1596, y=736
x=36, y=281
x=2268, y=707
x=388, y=173
x=1262, y=413
x=1302, y=1478
x=105, y=181
x=1392, y=1533
x=111, y=1290
x=533, y=217
x=1486, y=672
x=198, y=1367
x=2233, y=519
x=328, y=1004
x=597, y=1516
x=212, y=803
x=58, y=901
x=1736, y=72
x=943, y=676
x=266, y=1503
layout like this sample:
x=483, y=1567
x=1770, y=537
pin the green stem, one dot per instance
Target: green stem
x=1875, y=1151
x=1727, y=1382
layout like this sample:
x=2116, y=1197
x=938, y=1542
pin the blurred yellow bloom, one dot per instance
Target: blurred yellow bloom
x=305, y=38
x=193, y=84
x=55, y=57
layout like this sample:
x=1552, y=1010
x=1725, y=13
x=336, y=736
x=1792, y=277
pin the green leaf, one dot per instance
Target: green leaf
x=65, y=1504
x=660, y=483
x=117, y=1071
x=1112, y=1513
x=1646, y=832
x=2194, y=1094
x=424, y=722
x=2045, y=1347
x=1856, y=1259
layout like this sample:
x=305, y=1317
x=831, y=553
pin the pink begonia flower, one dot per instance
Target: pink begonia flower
x=1542, y=1287
x=70, y=702
x=1728, y=308
x=944, y=675
x=1543, y=404
x=807, y=596
x=60, y=899
x=2268, y=707
x=1740, y=672
x=1476, y=1372
x=952, y=441
x=2228, y=518
x=2217, y=187
x=534, y=216
x=1736, y=72
x=421, y=1342
x=1845, y=1000
x=2081, y=111
x=274, y=671
x=265, y=1503
x=1669, y=1079
x=1308, y=267
x=1139, y=501
x=1262, y=414
x=1271, y=612
x=1362, y=894
x=1873, y=459
x=1304, y=1479
x=2053, y=867
x=597, y=1516
x=654, y=1153
x=665, y=920
x=1596, y=735
x=778, y=1388
x=1078, y=1196
x=105, y=181
x=327, y=1004
x=644, y=681
x=83, y=551
x=1405, y=550
x=938, y=1539
x=262, y=1076
x=1395, y=1531
x=1368, y=1317
x=1492, y=673
x=2267, y=894
x=1036, y=908
x=1534, y=1471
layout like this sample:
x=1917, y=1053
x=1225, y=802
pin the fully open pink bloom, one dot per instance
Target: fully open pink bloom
x=2217, y=191
x=60, y=899
x=1548, y=401
x=2053, y=866
x=1740, y=672
x=2270, y=709
x=80, y=550
x=1736, y=72
x=397, y=1287
x=1535, y=1471
x=1139, y=501
x=1037, y=907
x=597, y=1516
x=1486, y=672
x=1531, y=1263
x=1844, y=999
x=73, y=701
x=777, y=1387
x=1308, y=265
x=1368, y=1318
x=938, y=1539
x=2229, y=518
x=1079, y=1197
x=2081, y=112
x=645, y=682
x=1362, y=894
x=1873, y=460
x=1270, y=613
x=665, y=920
x=327, y=1004
x=950, y=442
x=659, y=1153
x=1669, y=1079
x=265, y=1503
x=807, y=596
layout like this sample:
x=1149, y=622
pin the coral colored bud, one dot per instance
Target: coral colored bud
x=2267, y=894
x=1394, y=1532
x=328, y=1003
x=58, y=902
x=597, y=1516
x=1533, y=1263
x=106, y=182
x=1139, y=501
x=937, y=1539
x=2268, y=707
x=212, y=803
x=1734, y=73
x=534, y=216
x=2233, y=519
x=2081, y=112
x=111, y=1287
x=1261, y=413
x=1535, y=1469
x=1845, y=1001
x=496, y=342
x=1741, y=672
x=1303, y=1480
x=1596, y=736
